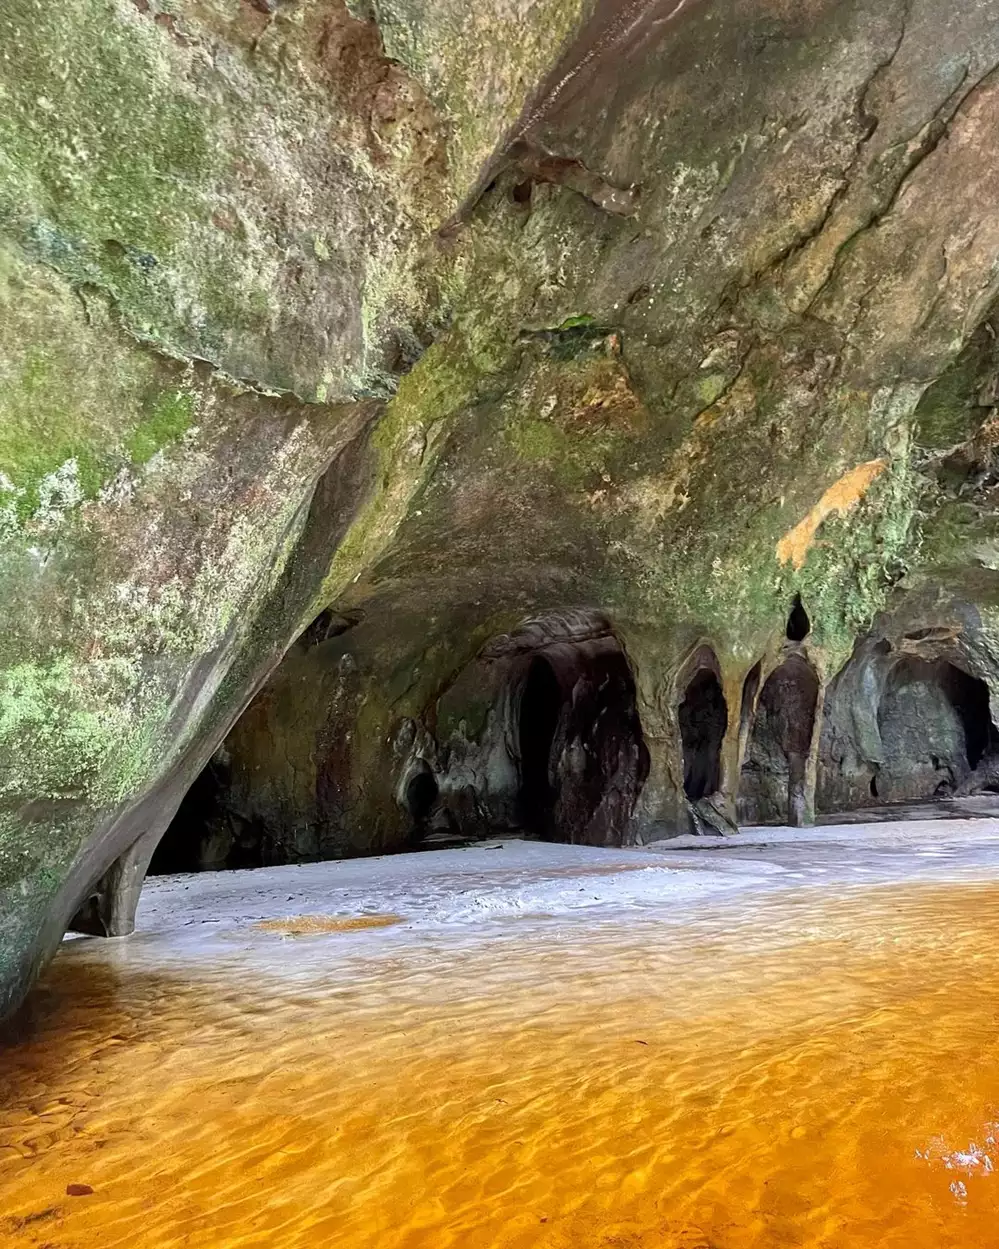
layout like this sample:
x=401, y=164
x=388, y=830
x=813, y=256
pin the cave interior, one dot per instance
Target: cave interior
x=550, y=745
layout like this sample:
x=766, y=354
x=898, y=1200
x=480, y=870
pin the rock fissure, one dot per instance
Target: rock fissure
x=867, y=124
x=935, y=131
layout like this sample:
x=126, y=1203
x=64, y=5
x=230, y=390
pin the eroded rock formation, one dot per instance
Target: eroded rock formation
x=342, y=343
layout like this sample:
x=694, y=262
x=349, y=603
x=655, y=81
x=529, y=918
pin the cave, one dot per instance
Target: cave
x=207, y=835
x=772, y=786
x=703, y=717
x=570, y=764
x=936, y=729
x=582, y=755
x=437, y=325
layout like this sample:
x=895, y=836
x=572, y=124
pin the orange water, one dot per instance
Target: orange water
x=308, y=925
x=791, y=1071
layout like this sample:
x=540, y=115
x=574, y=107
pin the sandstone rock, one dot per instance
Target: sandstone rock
x=449, y=338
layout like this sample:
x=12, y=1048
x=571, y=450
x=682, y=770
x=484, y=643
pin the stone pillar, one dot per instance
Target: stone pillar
x=110, y=909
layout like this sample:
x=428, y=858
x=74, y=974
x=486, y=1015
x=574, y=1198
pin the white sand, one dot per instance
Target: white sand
x=481, y=891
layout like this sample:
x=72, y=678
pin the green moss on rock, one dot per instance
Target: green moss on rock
x=859, y=558
x=78, y=401
x=184, y=175
x=170, y=416
x=69, y=730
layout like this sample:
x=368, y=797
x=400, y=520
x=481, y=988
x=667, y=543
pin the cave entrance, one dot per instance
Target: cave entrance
x=936, y=729
x=772, y=788
x=582, y=755
x=703, y=719
x=264, y=797
x=207, y=834
x=422, y=792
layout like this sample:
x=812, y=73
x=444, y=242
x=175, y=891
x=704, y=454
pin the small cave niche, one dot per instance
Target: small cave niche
x=582, y=755
x=703, y=716
x=936, y=730
x=798, y=624
x=422, y=792
x=773, y=778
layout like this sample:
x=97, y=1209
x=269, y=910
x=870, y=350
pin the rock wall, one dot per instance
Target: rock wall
x=418, y=323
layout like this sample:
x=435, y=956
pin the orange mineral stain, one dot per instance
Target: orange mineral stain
x=841, y=497
x=303, y=925
x=811, y=1069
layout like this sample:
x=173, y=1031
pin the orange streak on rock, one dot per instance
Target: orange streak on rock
x=841, y=496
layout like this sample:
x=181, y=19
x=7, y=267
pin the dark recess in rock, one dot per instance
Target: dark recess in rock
x=798, y=624
x=598, y=760
x=329, y=624
x=902, y=728
x=772, y=789
x=540, y=714
x=206, y=834
x=703, y=720
x=935, y=729
x=421, y=794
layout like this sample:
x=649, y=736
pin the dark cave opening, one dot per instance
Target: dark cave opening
x=540, y=712
x=583, y=758
x=772, y=788
x=576, y=749
x=206, y=834
x=703, y=719
x=422, y=792
x=936, y=729
x=244, y=809
x=798, y=624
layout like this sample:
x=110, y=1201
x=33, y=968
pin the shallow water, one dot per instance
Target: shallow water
x=765, y=1069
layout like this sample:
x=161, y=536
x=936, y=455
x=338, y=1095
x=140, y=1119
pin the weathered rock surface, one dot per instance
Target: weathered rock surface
x=393, y=327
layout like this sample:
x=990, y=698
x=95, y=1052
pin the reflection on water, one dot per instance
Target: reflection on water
x=782, y=1071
